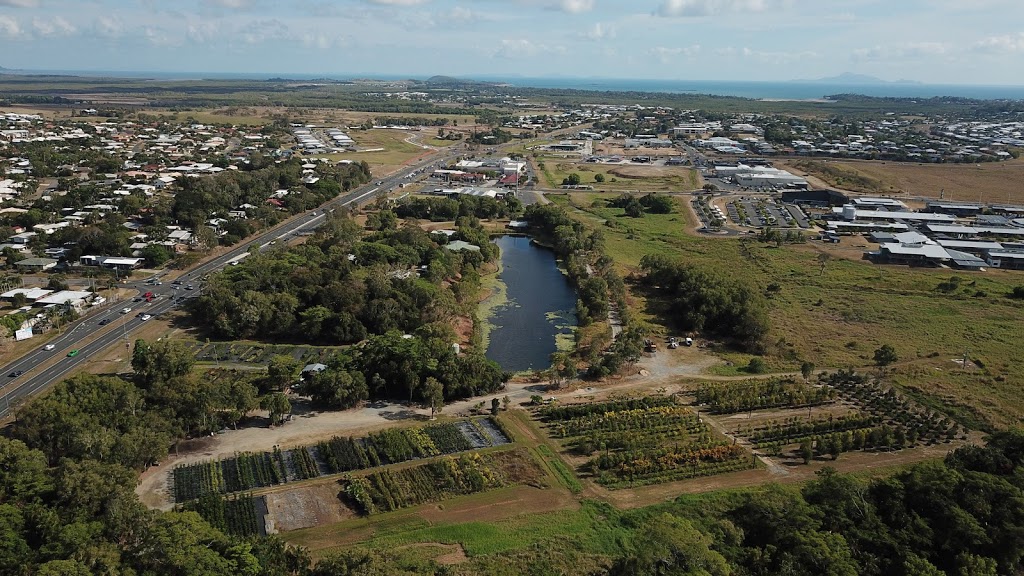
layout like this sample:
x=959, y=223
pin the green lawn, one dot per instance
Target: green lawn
x=837, y=318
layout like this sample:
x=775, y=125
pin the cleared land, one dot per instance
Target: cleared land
x=396, y=150
x=837, y=316
x=622, y=177
x=991, y=182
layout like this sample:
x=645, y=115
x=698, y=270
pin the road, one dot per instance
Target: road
x=39, y=369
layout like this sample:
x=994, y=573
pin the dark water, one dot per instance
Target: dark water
x=541, y=304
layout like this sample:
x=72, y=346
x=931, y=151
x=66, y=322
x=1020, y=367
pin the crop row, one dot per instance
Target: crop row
x=888, y=403
x=555, y=413
x=645, y=419
x=235, y=515
x=788, y=430
x=449, y=476
x=247, y=471
x=730, y=398
x=672, y=462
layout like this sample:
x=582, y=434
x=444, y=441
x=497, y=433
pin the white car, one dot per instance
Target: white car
x=49, y=347
x=125, y=310
x=145, y=317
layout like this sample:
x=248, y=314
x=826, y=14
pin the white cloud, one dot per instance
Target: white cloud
x=9, y=27
x=460, y=15
x=904, y=51
x=600, y=31
x=58, y=26
x=397, y=2
x=201, y=32
x=576, y=6
x=1005, y=43
x=108, y=27
x=323, y=41
x=259, y=31
x=695, y=8
x=20, y=3
x=233, y=4
x=667, y=55
x=515, y=48
x=773, y=57
x=159, y=37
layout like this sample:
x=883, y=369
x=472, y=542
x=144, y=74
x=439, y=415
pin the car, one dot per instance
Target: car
x=73, y=353
x=126, y=310
x=49, y=347
x=189, y=287
x=105, y=321
x=16, y=373
x=177, y=282
x=689, y=341
x=145, y=317
x=159, y=283
x=136, y=299
x=174, y=287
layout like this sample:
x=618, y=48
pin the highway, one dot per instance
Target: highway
x=40, y=368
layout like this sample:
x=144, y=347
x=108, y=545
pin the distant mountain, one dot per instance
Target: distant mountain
x=851, y=78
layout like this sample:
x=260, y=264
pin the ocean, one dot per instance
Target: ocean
x=793, y=90
x=776, y=90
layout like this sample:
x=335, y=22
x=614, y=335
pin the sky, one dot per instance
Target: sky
x=931, y=41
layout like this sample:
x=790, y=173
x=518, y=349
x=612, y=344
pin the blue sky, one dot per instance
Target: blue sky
x=934, y=41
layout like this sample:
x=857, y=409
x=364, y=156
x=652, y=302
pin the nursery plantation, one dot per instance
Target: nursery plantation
x=389, y=446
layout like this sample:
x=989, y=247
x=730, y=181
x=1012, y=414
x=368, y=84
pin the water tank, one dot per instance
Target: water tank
x=849, y=212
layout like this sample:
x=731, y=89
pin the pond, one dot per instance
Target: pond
x=537, y=307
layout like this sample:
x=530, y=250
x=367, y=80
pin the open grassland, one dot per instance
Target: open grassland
x=622, y=177
x=396, y=151
x=991, y=182
x=838, y=316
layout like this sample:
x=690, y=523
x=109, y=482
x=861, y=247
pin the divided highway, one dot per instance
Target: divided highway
x=97, y=331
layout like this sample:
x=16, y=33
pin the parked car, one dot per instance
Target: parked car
x=688, y=341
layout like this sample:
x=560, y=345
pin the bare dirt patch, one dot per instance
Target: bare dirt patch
x=499, y=505
x=304, y=507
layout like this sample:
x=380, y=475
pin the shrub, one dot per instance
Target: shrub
x=757, y=366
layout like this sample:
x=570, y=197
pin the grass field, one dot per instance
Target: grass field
x=622, y=177
x=396, y=150
x=837, y=318
x=992, y=182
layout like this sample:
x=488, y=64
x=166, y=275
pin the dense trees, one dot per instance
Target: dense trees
x=200, y=197
x=702, y=300
x=636, y=207
x=338, y=288
x=443, y=209
x=81, y=516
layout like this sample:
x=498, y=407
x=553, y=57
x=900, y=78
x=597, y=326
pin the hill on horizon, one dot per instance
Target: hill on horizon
x=851, y=78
